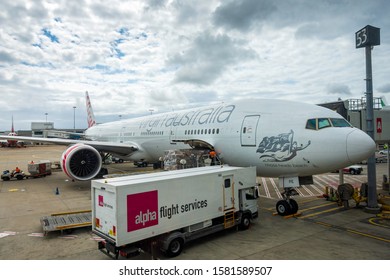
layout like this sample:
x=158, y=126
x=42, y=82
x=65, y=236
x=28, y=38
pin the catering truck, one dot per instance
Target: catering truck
x=167, y=209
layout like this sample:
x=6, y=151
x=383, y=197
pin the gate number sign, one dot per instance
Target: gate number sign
x=367, y=36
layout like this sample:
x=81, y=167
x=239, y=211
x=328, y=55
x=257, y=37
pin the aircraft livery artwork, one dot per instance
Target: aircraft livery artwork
x=280, y=148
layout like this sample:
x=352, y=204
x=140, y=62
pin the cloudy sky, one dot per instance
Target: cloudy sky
x=163, y=55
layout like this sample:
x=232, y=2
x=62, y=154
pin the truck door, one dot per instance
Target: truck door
x=228, y=192
x=248, y=130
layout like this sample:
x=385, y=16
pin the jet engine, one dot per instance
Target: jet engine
x=81, y=162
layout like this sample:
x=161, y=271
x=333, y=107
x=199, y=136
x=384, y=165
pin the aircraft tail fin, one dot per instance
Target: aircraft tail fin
x=383, y=101
x=12, y=128
x=90, y=116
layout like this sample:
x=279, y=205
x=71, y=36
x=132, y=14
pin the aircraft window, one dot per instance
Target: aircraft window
x=340, y=123
x=322, y=123
x=213, y=130
x=217, y=130
x=311, y=124
x=209, y=130
x=198, y=131
x=244, y=130
x=201, y=131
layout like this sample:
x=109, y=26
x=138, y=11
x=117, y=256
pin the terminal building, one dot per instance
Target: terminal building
x=354, y=110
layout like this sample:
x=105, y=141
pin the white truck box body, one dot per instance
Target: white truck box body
x=132, y=208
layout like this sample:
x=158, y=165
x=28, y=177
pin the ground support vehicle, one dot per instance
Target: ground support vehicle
x=170, y=208
x=35, y=170
x=7, y=175
x=353, y=169
x=66, y=221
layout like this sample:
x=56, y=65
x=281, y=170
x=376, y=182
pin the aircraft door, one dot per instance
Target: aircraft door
x=172, y=134
x=248, y=130
x=228, y=192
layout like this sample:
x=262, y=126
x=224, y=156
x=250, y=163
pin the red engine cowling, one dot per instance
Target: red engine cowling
x=81, y=162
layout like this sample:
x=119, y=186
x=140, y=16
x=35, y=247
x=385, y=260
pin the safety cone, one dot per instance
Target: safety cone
x=57, y=191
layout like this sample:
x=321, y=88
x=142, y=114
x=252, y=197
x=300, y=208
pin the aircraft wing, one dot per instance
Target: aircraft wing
x=108, y=147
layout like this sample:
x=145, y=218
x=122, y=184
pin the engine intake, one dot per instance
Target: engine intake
x=81, y=162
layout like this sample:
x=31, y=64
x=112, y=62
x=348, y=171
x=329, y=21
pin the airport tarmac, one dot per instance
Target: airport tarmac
x=323, y=231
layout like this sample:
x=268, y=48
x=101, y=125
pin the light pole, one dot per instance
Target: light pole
x=74, y=118
x=46, y=116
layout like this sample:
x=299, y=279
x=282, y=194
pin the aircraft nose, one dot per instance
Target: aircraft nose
x=360, y=146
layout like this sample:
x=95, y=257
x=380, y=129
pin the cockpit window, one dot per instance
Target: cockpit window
x=322, y=123
x=311, y=124
x=340, y=123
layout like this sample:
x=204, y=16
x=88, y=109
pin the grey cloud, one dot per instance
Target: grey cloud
x=243, y=14
x=384, y=88
x=6, y=57
x=338, y=89
x=208, y=58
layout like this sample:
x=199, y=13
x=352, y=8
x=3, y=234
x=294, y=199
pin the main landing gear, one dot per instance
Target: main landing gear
x=287, y=206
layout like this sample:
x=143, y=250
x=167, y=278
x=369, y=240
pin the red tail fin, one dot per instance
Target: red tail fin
x=12, y=128
x=90, y=116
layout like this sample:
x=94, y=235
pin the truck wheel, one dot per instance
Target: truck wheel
x=175, y=247
x=19, y=177
x=5, y=178
x=352, y=171
x=245, y=222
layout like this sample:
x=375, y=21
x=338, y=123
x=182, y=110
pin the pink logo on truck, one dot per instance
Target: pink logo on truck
x=100, y=200
x=142, y=210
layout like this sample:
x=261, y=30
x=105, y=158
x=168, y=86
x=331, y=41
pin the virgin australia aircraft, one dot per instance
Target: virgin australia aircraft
x=284, y=139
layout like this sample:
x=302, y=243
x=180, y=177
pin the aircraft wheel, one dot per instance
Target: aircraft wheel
x=294, y=206
x=283, y=208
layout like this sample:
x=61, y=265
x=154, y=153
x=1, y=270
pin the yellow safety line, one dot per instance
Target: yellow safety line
x=368, y=235
x=316, y=207
x=371, y=221
x=324, y=224
x=74, y=226
x=321, y=212
x=70, y=213
x=355, y=232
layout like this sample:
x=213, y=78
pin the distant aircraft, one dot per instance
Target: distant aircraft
x=284, y=139
x=12, y=143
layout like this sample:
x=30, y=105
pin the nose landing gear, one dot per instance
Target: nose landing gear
x=287, y=206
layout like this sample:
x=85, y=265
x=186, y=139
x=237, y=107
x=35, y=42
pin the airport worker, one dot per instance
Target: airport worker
x=213, y=155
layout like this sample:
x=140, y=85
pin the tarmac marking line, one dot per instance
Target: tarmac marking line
x=372, y=221
x=318, y=206
x=368, y=235
x=354, y=232
x=321, y=212
x=324, y=224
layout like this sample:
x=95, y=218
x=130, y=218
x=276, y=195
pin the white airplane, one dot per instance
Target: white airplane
x=284, y=139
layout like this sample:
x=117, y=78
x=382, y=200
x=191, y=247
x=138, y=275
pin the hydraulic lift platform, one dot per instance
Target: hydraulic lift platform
x=66, y=221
